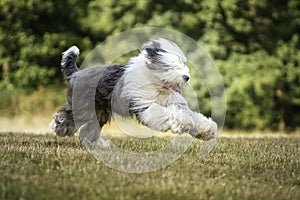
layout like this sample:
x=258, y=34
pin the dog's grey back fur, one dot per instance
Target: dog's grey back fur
x=107, y=76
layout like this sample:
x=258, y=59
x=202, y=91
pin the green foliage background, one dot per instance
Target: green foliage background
x=255, y=44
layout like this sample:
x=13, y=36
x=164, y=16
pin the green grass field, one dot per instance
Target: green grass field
x=47, y=167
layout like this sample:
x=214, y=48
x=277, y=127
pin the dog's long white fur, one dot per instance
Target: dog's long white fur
x=166, y=108
x=149, y=84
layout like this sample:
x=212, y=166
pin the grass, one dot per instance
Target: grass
x=46, y=167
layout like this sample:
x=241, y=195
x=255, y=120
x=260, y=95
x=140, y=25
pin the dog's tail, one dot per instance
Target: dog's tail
x=68, y=62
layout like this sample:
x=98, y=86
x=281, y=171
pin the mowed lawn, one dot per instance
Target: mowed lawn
x=47, y=167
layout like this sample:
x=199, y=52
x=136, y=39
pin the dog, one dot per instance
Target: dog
x=148, y=87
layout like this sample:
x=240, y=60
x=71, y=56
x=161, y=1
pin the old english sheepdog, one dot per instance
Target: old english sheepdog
x=148, y=87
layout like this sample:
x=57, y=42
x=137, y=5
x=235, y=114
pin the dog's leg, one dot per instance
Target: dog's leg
x=178, y=119
x=90, y=126
x=89, y=135
x=62, y=123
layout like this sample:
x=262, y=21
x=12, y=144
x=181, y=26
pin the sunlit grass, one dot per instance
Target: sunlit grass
x=46, y=167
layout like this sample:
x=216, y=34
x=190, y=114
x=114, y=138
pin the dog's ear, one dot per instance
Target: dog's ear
x=153, y=49
x=153, y=52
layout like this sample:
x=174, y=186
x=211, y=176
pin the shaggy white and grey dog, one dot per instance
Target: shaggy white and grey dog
x=149, y=87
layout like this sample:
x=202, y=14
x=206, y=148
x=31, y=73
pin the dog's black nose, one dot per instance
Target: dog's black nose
x=186, y=78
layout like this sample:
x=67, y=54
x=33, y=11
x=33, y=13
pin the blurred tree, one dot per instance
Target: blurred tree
x=33, y=33
x=256, y=47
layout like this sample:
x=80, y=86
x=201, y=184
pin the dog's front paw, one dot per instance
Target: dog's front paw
x=207, y=134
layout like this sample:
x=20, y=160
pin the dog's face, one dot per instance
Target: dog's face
x=167, y=62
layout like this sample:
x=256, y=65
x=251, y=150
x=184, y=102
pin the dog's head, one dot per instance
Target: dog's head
x=167, y=62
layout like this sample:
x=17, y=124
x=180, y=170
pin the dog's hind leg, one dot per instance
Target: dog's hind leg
x=89, y=135
x=62, y=123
